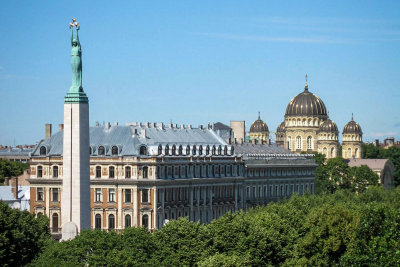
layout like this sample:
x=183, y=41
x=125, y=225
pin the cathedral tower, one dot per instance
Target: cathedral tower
x=75, y=198
x=352, y=140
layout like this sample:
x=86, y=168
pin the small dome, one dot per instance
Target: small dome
x=259, y=126
x=306, y=104
x=328, y=126
x=352, y=127
x=281, y=128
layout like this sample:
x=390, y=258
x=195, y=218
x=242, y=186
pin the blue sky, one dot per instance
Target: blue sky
x=195, y=62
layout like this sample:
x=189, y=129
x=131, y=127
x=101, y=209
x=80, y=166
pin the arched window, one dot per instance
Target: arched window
x=173, y=150
x=54, y=224
x=143, y=150
x=213, y=150
x=166, y=152
x=159, y=149
x=97, y=221
x=127, y=220
x=356, y=152
x=188, y=150
x=219, y=150
x=145, y=172
x=298, y=142
x=42, y=150
x=309, y=142
x=332, y=152
x=325, y=152
x=289, y=142
x=200, y=150
x=180, y=150
x=55, y=171
x=127, y=172
x=194, y=150
x=232, y=150
x=39, y=171
x=111, y=172
x=101, y=151
x=145, y=221
x=111, y=221
x=207, y=150
x=349, y=152
x=226, y=150
x=98, y=172
x=114, y=150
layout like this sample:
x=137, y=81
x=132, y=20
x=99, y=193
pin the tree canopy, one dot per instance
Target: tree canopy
x=327, y=229
x=10, y=169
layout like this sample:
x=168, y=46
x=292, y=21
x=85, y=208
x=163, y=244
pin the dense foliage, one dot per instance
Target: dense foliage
x=393, y=153
x=10, y=169
x=328, y=229
x=22, y=236
x=334, y=174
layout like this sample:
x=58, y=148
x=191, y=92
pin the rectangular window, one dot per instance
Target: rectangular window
x=98, y=172
x=169, y=172
x=55, y=171
x=145, y=195
x=145, y=172
x=99, y=197
x=248, y=192
x=55, y=194
x=265, y=191
x=111, y=172
x=127, y=172
x=111, y=195
x=176, y=172
x=254, y=192
x=128, y=195
x=39, y=192
x=39, y=171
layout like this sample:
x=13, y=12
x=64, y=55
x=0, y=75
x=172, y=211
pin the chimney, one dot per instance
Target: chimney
x=15, y=188
x=61, y=127
x=47, y=133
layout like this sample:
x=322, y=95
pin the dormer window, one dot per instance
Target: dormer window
x=166, y=150
x=207, y=150
x=114, y=150
x=219, y=150
x=188, y=150
x=232, y=150
x=200, y=150
x=159, y=149
x=42, y=150
x=180, y=150
x=143, y=150
x=194, y=150
x=102, y=151
x=213, y=150
x=173, y=150
x=226, y=150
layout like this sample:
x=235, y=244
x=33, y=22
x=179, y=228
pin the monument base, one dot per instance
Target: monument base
x=69, y=231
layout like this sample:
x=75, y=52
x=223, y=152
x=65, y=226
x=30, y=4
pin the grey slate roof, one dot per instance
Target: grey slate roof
x=130, y=138
x=24, y=152
x=248, y=148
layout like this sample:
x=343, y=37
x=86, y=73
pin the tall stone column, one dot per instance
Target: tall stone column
x=75, y=198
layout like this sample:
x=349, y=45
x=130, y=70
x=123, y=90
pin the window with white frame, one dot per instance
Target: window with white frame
x=99, y=195
x=111, y=195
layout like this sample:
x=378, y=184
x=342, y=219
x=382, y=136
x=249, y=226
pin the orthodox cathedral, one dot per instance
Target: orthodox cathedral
x=307, y=128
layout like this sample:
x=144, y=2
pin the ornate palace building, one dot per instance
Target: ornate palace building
x=307, y=128
x=147, y=174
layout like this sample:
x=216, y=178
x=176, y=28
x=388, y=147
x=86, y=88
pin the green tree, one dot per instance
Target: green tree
x=363, y=177
x=10, y=169
x=22, y=236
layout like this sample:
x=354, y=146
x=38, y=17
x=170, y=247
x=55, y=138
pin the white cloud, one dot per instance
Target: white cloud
x=381, y=134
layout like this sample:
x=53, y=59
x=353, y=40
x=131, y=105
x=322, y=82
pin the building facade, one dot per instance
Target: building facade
x=147, y=174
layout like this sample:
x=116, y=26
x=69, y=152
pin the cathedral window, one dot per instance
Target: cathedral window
x=332, y=152
x=298, y=142
x=97, y=221
x=114, y=150
x=324, y=151
x=143, y=150
x=309, y=142
x=349, y=152
x=42, y=151
x=356, y=152
x=101, y=151
x=111, y=172
x=289, y=142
